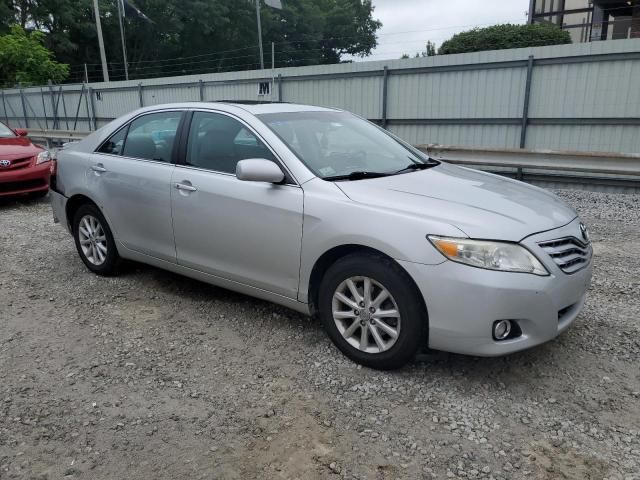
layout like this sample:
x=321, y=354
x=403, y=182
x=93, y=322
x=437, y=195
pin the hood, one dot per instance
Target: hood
x=480, y=204
x=14, y=148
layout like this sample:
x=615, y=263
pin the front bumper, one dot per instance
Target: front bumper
x=463, y=302
x=25, y=180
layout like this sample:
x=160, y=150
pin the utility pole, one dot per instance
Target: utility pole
x=532, y=11
x=103, y=57
x=259, y=34
x=124, y=45
x=273, y=70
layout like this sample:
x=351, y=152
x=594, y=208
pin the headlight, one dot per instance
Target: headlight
x=503, y=256
x=43, y=157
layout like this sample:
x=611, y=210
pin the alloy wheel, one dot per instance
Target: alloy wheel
x=93, y=240
x=366, y=314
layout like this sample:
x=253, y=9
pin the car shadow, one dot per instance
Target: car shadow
x=7, y=203
x=517, y=369
x=196, y=290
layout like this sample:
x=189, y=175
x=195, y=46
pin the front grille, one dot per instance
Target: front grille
x=17, y=164
x=570, y=254
x=7, y=187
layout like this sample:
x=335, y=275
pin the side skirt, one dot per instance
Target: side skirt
x=214, y=280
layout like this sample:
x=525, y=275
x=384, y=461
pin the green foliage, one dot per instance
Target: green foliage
x=25, y=60
x=501, y=37
x=219, y=35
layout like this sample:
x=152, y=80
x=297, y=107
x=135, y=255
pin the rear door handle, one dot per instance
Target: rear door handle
x=185, y=187
x=98, y=168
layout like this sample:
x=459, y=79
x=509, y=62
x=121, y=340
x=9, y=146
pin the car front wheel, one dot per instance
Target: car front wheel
x=94, y=241
x=372, y=311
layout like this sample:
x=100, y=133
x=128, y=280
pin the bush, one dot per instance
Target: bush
x=500, y=37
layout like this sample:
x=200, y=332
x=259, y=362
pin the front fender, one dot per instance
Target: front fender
x=331, y=220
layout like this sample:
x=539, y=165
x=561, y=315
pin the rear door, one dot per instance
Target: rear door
x=248, y=232
x=130, y=176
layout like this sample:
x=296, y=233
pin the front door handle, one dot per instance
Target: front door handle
x=186, y=187
x=98, y=168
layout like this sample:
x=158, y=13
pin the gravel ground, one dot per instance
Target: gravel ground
x=154, y=376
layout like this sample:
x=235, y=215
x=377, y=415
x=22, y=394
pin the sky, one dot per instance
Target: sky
x=408, y=24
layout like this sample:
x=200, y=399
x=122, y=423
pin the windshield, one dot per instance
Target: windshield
x=5, y=131
x=337, y=144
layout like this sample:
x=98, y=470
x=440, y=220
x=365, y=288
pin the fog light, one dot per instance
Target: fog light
x=501, y=329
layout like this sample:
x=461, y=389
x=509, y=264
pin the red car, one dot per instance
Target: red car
x=24, y=167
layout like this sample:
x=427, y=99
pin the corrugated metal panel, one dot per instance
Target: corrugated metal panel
x=471, y=94
x=112, y=104
x=13, y=109
x=233, y=91
x=588, y=138
x=594, y=89
x=157, y=96
x=362, y=96
x=598, y=89
x=463, y=135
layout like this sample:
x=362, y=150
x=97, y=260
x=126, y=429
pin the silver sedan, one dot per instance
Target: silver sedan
x=323, y=212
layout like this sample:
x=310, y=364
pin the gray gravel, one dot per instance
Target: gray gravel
x=154, y=376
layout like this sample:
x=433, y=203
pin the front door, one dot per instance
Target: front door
x=248, y=232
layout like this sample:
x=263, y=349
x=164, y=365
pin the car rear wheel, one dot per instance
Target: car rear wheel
x=94, y=240
x=372, y=311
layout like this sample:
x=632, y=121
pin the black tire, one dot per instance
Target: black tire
x=111, y=259
x=414, y=322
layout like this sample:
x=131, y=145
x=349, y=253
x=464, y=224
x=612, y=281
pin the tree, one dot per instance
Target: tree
x=429, y=52
x=431, y=49
x=501, y=37
x=25, y=60
x=312, y=32
x=198, y=36
x=6, y=15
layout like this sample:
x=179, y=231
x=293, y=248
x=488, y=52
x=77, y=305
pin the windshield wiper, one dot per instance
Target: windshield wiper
x=417, y=166
x=358, y=175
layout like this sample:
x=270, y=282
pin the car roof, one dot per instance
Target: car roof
x=278, y=107
x=255, y=108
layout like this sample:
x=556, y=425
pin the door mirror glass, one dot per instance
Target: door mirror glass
x=259, y=170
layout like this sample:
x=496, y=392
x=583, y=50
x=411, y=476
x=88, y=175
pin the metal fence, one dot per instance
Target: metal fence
x=581, y=97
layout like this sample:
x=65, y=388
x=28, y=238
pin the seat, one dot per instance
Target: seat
x=216, y=151
x=140, y=146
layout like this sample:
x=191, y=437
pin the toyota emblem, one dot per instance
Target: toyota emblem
x=5, y=163
x=583, y=232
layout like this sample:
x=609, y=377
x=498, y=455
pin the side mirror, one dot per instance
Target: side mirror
x=259, y=170
x=21, y=132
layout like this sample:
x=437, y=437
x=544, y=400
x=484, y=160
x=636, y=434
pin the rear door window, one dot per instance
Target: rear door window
x=151, y=137
x=113, y=146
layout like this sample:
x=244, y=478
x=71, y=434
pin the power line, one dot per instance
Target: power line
x=291, y=42
x=287, y=57
x=182, y=58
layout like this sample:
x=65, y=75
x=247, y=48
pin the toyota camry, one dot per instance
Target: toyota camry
x=326, y=213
